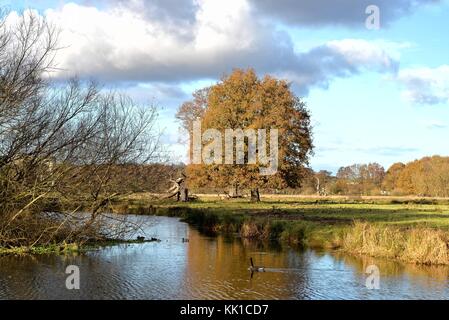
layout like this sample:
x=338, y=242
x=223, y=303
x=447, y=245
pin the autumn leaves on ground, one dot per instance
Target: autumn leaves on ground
x=71, y=152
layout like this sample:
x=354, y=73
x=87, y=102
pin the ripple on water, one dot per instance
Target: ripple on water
x=212, y=268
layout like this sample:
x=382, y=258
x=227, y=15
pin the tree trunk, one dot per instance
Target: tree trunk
x=178, y=190
x=255, y=196
x=184, y=194
x=234, y=191
x=318, y=187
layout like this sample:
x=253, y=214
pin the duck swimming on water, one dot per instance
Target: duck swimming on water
x=254, y=268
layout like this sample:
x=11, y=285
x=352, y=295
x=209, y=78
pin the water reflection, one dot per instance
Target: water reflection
x=213, y=268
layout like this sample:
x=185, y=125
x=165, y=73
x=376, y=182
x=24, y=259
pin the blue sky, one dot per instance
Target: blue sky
x=375, y=95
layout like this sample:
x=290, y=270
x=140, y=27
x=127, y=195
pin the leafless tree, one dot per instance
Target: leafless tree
x=60, y=141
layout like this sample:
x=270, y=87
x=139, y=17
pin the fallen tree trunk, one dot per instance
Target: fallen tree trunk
x=179, y=191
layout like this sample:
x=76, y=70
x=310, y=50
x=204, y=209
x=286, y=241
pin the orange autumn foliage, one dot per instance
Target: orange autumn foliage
x=244, y=101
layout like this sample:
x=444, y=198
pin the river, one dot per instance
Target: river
x=206, y=267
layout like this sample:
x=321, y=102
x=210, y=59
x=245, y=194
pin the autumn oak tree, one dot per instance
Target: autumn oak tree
x=244, y=101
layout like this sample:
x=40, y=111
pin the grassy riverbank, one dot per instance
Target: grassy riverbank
x=48, y=249
x=407, y=229
x=68, y=248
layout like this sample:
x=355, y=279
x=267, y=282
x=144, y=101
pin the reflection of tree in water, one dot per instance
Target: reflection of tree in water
x=218, y=268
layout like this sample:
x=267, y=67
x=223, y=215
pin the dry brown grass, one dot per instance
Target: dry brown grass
x=253, y=230
x=416, y=245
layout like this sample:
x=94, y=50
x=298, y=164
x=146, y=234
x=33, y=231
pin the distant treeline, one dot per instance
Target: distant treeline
x=153, y=178
x=428, y=176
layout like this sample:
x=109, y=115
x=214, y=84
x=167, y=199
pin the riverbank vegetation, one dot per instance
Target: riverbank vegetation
x=414, y=230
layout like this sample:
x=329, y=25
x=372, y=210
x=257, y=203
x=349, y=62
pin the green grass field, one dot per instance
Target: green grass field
x=402, y=212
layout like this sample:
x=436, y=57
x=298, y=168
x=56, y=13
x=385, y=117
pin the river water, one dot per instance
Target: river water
x=213, y=268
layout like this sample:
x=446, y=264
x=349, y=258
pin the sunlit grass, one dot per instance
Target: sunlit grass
x=406, y=213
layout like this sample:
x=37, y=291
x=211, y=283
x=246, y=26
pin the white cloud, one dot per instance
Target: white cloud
x=425, y=85
x=363, y=52
x=339, y=59
x=125, y=44
x=120, y=42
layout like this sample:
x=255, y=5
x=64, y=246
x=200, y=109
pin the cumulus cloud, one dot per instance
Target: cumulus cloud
x=425, y=85
x=342, y=12
x=341, y=58
x=122, y=44
x=177, y=16
x=293, y=12
x=173, y=11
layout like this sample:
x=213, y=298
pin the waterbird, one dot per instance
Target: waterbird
x=254, y=268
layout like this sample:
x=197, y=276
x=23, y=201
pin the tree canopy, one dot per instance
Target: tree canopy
x=428, y=176
x=241, y=100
